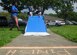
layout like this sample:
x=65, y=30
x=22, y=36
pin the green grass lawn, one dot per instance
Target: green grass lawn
x=7, y=35
x=68, y=31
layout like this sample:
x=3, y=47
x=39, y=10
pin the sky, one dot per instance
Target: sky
x=46, y=11
x=0, y=7
x=0, y=0
x=75, y=7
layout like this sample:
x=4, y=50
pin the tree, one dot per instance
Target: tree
x=63, y=8
x=60, y=6
x=6, y=4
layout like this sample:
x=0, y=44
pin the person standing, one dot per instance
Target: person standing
x=31, y=9
x=14, y=14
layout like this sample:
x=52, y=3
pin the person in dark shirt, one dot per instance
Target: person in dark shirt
x=14, y=14
x=31, y=9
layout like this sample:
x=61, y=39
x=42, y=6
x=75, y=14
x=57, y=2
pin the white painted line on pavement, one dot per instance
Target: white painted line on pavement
x=11, y=52
x=55, y=47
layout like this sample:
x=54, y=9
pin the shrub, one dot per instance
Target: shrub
x=23, y=16
x=70, y=15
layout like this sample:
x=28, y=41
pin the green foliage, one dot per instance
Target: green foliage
x=55, y=15
x=23, y=16
x=72, y=16
x=56, y=5
x=68, y=32
x=20, y=15
x=6, y=14
x=68, y=16
x=62, y=7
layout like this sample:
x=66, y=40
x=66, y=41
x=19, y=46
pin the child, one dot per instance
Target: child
x=14, y=14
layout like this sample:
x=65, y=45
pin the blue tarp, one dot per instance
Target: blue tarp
x=36, y=24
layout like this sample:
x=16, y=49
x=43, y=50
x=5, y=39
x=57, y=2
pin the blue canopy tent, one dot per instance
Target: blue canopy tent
x=36, y=26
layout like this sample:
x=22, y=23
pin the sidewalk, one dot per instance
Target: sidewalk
x=51, y=40
x=39, y=45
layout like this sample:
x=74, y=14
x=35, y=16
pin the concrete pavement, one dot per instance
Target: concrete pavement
x=39, y=45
